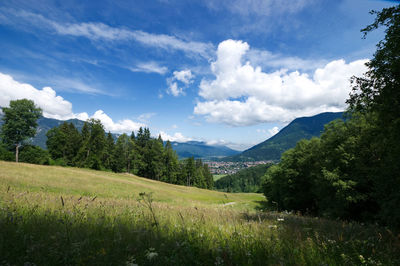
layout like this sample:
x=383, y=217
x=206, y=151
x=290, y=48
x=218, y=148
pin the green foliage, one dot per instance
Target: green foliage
x=289, y=184
x=332, y=176
x=64, y=142
x=35, y=155
x=91, y=153
x=171, y=170
x=141, y=155
x=378, y=94
x=246, y=180
x=20, y=121
x=352, y=171
x=108, y=155
x=5, y=153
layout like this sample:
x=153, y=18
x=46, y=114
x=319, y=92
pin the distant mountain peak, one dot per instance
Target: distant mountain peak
x=286, y=138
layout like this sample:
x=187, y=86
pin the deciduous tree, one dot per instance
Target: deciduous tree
x=20, y=122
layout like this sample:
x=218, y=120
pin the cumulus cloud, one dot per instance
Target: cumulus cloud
x=185, y=77
x=99, y=31
x=55, y=106
x=122, y=126
x=242, y=94
x=177, y=137
x=271, y=60
x=273, y=131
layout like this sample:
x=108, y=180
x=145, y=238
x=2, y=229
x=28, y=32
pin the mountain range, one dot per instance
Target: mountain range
x=286, y=138
x=199, y=149
x=269, y=150
x=194, y=149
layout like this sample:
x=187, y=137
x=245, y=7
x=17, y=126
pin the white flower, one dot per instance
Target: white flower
x=151, y=254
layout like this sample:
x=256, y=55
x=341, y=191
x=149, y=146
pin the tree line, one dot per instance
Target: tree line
x=92, y=147
x=245, y=180
x=352, y=171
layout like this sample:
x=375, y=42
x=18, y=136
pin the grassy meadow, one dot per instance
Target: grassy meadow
x=68, y=216
x=216, y=177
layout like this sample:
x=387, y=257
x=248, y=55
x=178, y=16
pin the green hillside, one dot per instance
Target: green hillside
x=69, y=216
x=71, y=181
x=286, y=138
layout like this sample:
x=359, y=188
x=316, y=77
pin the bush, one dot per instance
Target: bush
x=35, y=155
x=58, y=162
x=5, y=154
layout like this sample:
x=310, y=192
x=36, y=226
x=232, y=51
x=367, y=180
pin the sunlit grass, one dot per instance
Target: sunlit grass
x=216, y=177
x=68, y=216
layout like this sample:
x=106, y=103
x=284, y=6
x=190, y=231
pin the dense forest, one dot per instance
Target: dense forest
x=245, y=180
x=352, y=171
x=93, y=148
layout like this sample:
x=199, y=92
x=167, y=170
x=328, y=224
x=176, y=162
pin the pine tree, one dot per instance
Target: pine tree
x=171, y=169
x=93, y=145
x=108, y=156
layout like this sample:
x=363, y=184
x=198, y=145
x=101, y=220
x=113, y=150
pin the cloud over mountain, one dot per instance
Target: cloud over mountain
x=55, y=106
x=242, y=94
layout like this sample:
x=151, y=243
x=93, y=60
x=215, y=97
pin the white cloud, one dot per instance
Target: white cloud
x=174, y=89
x=55, y=106
x=122, y=126
x=99, y=31
x=273, y=131
x=242, y=95
x=149, y=67
x=178, y=137
x=185, y=77
x=258, y=7
x=267, y=59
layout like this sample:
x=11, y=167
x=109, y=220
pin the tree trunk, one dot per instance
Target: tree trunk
x=16, y=153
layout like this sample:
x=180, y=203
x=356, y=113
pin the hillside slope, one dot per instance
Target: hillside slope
x=68, y=181
x=69, y=216
x=286, y=138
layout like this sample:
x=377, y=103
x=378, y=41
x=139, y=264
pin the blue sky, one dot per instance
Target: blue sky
x=226, y=72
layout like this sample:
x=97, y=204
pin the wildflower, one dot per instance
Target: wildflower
x=281, y=219
x=151, y=254
x=362, y=259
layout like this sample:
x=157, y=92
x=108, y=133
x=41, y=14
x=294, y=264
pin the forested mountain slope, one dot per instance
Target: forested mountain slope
x=286, y=138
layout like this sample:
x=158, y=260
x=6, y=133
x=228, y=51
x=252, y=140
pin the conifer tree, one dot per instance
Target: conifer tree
x=108, y=157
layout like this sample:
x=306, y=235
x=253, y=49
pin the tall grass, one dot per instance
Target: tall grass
x=40, y=227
